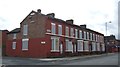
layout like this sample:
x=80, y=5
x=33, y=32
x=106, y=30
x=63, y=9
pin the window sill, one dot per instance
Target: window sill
x=86, y=50
x=55, y=51
x=51, y=34
x=72, y=37
x=24, y=49
x=93, y=50
x=24, y=34
x=69, y=50
x=80, y=50
x=60, y=35
x=66, y=36
x=32, y=21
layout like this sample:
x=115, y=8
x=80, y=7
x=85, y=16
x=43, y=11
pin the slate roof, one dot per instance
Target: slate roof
x=60, y=20
x=17, y=30
x=111, y=37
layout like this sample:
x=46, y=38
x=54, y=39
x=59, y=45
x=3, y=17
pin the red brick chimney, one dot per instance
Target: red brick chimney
x=70, y=21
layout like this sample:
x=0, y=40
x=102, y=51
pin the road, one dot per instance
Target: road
x=103, y=60
x=107, y=60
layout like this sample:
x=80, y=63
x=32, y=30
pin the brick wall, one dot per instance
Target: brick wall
x=0, y=42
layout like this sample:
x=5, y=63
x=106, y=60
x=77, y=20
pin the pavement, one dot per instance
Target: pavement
x=108, y=58
x=72, y=58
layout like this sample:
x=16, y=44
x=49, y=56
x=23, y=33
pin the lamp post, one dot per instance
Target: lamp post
x=106, y=26
x=107, y=45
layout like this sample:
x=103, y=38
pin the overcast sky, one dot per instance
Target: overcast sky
x=93, y=13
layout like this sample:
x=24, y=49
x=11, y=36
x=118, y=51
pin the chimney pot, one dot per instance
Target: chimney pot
x=39, y=10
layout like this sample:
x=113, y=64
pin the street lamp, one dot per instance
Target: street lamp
x=107, y=44
x=106, y=26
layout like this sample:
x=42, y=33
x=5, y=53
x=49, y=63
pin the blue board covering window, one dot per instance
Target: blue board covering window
x=76, y=33
x=14, y=36
x=71, y=32
x=53, y=28
x=25, y=29
x=84, y=35
x=80, y=34
x=59, y=29
x=67, y=31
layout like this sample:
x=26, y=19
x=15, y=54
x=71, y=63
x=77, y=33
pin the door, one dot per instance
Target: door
x=71, y=46
x=61, y=48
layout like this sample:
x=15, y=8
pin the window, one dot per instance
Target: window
x=93, y=46
x=69, y=45
x=53, y=28
x=76, y=33
x=67, y=31
x=60, y=29
x=98, y=38
x=14, y=45
x=94, y=37
x=86, y=46
x=31, y=19
x=88, y=35
x=98, y=46
x=80, y=45
x=101, y=39
x=55, y=43
x=75, y=47
x=14, y=36
x=80, y=34
x=25, y=44
x=84, y=35
x=103, y=47
x=25, y=29
x=71, y=32
x=91, y=36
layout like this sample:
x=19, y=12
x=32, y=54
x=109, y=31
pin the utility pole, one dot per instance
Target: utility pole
x=106, y=26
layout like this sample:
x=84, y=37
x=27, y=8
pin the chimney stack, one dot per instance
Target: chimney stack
x=52, y=15
x=83, y=26
x=70, y=21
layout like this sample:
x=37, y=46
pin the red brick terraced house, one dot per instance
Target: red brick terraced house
x=3, y=39
x=112, y=44
x=42, y=35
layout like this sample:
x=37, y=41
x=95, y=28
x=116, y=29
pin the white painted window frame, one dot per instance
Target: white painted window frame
x=14, y=36
x=54, y=49
x=67, y=31
x=59, y=29
x=76, y=33
x=25, y=29
x=23, y=40
x=80, y=34
x=86, y=47
x=13, y=45
x=79, y=45
x=53, y=28
x=71, y=32
x=69, y=46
